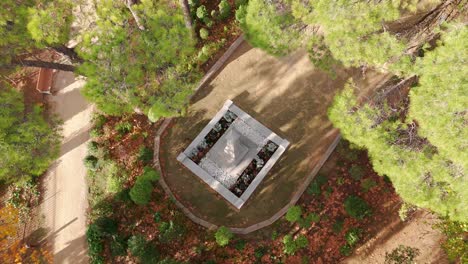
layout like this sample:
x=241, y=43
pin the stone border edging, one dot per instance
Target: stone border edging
x=236, y=230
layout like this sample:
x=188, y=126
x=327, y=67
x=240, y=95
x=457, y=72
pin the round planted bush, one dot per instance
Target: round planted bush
x=91, y=162
x=357, y=207
x=204, y=33
x=141, y=192
x=223, y=235
x=294, y=214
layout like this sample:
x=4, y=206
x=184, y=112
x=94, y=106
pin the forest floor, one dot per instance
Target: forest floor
x=64, y=199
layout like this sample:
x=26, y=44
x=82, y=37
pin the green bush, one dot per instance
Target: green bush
x=223, y=235
x=118, y=247
x=99, y=120
x=357, y=207
x=94, y=237
x=356, y=172
x=157, y=217
x=291, y=245
x=309, y=219
x=241, y=2
x=143, y=187
x=240, y=245
x=145, y=154
x=224, y=9
x=260, y=252
x=202, y=13
x=241, y=13
x=107, y=226
x=294, y=214
x=338, y=226
x=353, y=236
x=93, y=148
x=368, y=184
x=123, y=127
x=402, y=255
x=114, y=183
x=137, y=245
x=204, y=33
x=316, y=185
x=169, y=231
x=91, y=162
x=346, y=250
x=456, y=245
x=141, y=192
x=208, y=50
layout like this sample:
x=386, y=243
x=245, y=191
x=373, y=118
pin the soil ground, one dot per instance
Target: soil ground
x=289, y=96
x=64, y=205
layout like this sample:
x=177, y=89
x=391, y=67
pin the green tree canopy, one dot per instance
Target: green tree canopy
x=130, y=68
x=423, y=153
x=28, y=144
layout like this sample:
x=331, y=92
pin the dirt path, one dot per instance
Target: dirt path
x=65, y=196
x=417, y=233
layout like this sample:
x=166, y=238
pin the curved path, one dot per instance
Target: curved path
x=65, y=197
x=286, y=94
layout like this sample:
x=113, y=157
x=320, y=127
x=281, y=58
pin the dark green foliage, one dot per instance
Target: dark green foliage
x=157, y=217
x=357, y=207
x=204, y=33
x=240, y=245
x=338, y=226
x=241, y=2
x=308, y=220
x=94, y=237
x=123, y=127
x=316, y=185
x=346, y=250
x=137, y=245
x=107, y=226
x=123, y=196
x=241, y=13
x=223, y=235
x=401, y=255
x=294, y=214
x=118, y=247
x=93, y=147
x=356, y=172
x=260, y=252
x=141, y=191
x=98, y=121
x=169, y=231
x=368, y=184
x=456, y=245
x=291, y=245
x=28, y=143
x=91, y=162
x=224, y=9
x=353, y=236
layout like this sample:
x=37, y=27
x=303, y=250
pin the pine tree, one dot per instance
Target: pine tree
x=422, y=153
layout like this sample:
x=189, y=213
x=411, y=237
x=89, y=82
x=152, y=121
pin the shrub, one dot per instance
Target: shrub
x=455, y=245
x=143, y=187
x=93, y=148
x=401, y=255
x=107, y=226
x=224, y=9
x=240, y=245
x=99, y=120
x=202, y=13
x=291, y=245
x=357, y=207
x=404, y=210
x=204, y=33
x=223, y=235
x=241, y=2
x=169, y=231
x=346, y=250
x=309, y=219
x=241, y=13
x=94, y=237
x=123, y=127
x=157, y=217
x=316, y=185
x=91, y=162
x=294, y=214
x=114, y=183
x=352, y=236
x=118, y=247
x=338, y=226
x=208, y=50
x=368, y=184
x=356, y=172
x=141, y=192
x=145, y=154
x=137, y=245
x=260, y=252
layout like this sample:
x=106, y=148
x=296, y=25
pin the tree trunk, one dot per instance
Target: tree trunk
x=129, y=4
x=69, y=52
x=188, y=17
x=46, y=64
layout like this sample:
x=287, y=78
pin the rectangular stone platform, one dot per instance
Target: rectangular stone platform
x=232, y=153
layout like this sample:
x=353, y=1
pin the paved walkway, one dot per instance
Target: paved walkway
x=65, y=197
